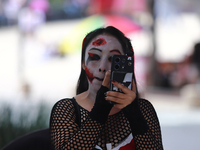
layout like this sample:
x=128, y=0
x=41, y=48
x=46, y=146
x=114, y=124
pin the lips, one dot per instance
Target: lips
x=91, y=77
x=98, y=79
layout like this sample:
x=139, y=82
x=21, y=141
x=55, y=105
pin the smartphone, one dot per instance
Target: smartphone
x=121, y=71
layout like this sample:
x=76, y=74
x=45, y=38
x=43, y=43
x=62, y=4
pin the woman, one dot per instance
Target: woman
x=89, y=120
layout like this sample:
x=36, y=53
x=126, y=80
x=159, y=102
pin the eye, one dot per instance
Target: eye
x=109, y=59
x=93, y=56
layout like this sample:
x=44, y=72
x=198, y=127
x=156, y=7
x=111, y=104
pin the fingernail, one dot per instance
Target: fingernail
x=113, y=81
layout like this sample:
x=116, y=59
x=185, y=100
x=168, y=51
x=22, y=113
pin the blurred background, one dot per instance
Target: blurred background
x=40, y=52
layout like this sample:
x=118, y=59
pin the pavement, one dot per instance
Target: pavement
x=47, y=78
x=179, y=120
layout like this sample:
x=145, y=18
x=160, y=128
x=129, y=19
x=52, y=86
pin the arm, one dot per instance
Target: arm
x=65, y=132
x=144, y=124
x=140, y=113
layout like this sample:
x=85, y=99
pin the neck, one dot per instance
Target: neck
x=91, y=94
x=91, y=97
x=86, y=99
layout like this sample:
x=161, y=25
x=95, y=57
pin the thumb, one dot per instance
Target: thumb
x=106, y=81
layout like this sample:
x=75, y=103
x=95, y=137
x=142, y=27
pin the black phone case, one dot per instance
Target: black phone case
x=121, y=71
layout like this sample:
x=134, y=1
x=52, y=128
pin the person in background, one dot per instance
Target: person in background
x=190, y=92
x=89, y=120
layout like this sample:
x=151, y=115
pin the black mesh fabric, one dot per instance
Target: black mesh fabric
x=72, y=128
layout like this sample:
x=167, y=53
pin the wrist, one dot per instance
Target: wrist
x=101, y=108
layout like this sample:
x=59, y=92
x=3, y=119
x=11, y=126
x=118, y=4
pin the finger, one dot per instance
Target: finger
x=106, y=81
x=119, y=106
x=113, y=99
x=122, y=87
x=119, y=101
x=115, y=94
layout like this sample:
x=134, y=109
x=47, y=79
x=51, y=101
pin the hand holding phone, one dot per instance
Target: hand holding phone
x=121, y=71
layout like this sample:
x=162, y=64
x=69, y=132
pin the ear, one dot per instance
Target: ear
x=83, y=66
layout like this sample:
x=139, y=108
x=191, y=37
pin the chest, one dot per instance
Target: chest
x=115, y=130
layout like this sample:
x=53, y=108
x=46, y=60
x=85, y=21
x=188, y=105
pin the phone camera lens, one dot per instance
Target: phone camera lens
x=117, y=60
x=123, y=60
x=117, y=67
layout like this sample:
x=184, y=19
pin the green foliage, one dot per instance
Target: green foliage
x=12, y=126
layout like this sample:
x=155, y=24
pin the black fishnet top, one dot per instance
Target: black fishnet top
x=71, y=127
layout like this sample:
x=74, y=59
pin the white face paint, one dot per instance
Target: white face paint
x=98, y=58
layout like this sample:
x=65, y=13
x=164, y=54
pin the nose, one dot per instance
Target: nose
x=100, y=70
x=102, y=67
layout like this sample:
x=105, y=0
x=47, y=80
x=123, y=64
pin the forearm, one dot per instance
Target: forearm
x=101, y=108
x=135, y=117
x=144, y=125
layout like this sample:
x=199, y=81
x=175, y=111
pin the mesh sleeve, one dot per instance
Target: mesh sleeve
x=66, y=133
x=148, y=134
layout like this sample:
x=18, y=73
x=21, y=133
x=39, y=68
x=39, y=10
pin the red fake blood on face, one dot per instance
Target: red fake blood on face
x=89, y=75
x=99, y=42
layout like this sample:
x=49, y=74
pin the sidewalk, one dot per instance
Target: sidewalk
x=180, y=123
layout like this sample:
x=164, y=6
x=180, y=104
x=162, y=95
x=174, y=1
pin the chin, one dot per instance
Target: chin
x=96, y=87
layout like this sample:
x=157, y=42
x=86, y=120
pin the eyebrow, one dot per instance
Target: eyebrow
x=95, y=49
x=116, y=50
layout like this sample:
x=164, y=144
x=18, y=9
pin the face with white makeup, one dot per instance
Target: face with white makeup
x=97, y=48
x=98, y=58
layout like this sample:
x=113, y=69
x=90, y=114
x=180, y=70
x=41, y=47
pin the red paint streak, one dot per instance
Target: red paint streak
x=89, y=75
x=99, y=42
x=116, y=51
x=91, y=54
x=132, y=48
x=133, y=62
x=83, y=42
x=129, y=146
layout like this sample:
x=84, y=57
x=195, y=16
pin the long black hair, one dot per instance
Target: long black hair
x=82, y=84
x=196, y=56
